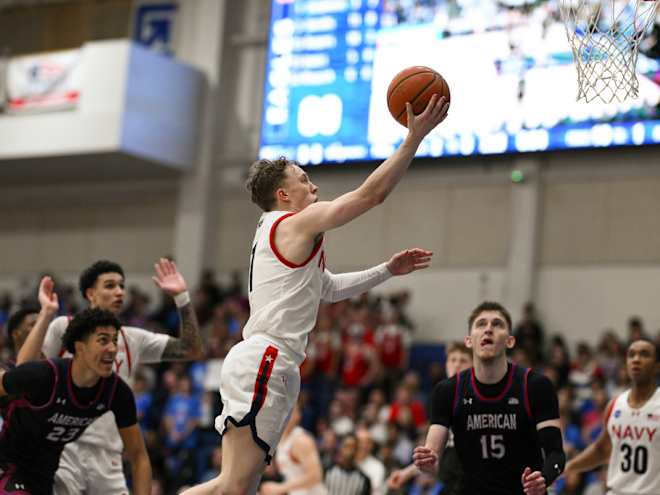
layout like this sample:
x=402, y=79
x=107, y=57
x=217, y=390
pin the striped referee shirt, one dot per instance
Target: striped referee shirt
x=342, y=481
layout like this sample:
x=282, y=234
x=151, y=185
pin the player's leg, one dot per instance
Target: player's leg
x=243, y=461
x=211, y=487
x=246, y=462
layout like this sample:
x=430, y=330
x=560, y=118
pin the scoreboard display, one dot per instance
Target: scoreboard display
x=508, y=64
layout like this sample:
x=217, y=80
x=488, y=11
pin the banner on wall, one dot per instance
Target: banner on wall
x=43, y=82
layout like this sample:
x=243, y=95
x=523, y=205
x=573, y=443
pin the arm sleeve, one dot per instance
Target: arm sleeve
x=52, y=346
x=555, y=459
x=346, y=285
x=442, y=400
x=542, y=398
x=148, y=345
x=123, y=406
x=34, y=379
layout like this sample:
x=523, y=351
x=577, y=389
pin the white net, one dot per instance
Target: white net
x=605, y=36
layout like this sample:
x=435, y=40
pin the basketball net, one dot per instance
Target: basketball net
x=605, y=36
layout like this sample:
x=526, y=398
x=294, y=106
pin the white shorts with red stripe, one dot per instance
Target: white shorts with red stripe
x=259, y=385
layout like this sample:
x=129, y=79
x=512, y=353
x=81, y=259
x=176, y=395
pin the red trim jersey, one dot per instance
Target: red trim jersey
x=284, y=296
x=634, y=466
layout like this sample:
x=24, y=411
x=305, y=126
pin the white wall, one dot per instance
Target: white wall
x=581, y=301
x=61, y=230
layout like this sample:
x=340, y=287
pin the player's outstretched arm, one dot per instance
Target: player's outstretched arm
x=337, y=287
x=427, y=458
x=327, y=215
x=189, y=345
x=137, y=455
x=31, y=348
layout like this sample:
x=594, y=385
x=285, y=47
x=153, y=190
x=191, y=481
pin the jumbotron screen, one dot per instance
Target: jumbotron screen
x=508, y=64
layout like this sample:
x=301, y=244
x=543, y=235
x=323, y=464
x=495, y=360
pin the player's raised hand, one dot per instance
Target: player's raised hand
x=434, y=113
x=533, y=482
x=47, y=296
x=425, y=459
x=409, y=260
x=168, y=279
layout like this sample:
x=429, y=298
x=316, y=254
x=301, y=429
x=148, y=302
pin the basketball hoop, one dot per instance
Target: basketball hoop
x=605, y=36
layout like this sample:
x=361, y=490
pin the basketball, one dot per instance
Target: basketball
x=416, y=85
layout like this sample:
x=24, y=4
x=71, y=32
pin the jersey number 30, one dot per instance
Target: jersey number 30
x=492, y=446
x=637, y=458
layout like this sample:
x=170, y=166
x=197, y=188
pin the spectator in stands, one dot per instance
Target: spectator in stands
x=180, y=420
x=360, y=364
x=404, y=405
x=529, y=334
x=368, y=464
x=636, y=330
x=560, y=360
x=610, y=358
x=19, y=325
x=392, y=343
x=344, y=477
x=584, y=370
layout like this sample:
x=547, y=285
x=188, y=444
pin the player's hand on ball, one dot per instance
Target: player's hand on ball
x=533, y=482
x=47, y=296
x=435, y=112
x=409, y=260
x=425, y=459
x=168, y=279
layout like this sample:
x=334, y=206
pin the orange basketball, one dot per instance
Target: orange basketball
x=415, y=85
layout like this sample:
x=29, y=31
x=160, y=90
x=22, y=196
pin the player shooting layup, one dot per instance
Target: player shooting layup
x=260, y=378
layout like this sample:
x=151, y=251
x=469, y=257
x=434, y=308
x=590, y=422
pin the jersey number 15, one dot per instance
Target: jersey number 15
x=492, y=446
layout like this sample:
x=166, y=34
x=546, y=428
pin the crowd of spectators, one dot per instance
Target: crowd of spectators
x=357, y=381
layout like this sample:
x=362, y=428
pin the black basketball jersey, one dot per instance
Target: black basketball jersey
x=33, y=435
x=5, y=400
x=495, y=437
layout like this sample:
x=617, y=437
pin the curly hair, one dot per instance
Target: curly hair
x=264, y=177
x=85, y=323
x=91, y=274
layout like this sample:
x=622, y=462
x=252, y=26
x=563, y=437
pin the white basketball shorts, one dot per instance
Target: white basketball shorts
x=89, y=469
x=259, y=385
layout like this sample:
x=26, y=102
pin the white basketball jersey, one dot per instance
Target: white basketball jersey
x=291, y=469
x=634, y=466
x=284, y=297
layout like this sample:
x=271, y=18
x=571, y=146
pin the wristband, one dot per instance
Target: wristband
x=182, y=299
